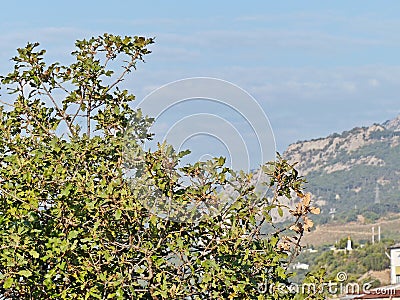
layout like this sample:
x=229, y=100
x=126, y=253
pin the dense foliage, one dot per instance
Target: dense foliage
x=73, y=226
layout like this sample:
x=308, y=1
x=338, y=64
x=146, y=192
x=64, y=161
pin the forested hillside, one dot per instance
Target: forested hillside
x=355, y=174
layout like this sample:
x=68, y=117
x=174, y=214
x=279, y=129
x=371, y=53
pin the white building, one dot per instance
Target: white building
x=395, y=264
x=301, y=266
x=348, y=246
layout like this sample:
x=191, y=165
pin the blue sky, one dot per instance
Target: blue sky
x=315, y=67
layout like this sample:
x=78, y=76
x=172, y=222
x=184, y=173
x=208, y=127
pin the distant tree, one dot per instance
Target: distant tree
x=73, y=226
x=342, y=243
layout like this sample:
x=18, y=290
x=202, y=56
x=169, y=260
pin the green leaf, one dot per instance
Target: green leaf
x=8, y=282
x=25, y=273
x=280, y=211
x=153, y=220
x=73, y=234
x=34, y=253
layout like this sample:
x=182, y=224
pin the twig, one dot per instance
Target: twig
x=59, y=110
x=8, y=104
x=127, y=69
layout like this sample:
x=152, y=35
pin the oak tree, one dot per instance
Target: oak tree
x=74, y=226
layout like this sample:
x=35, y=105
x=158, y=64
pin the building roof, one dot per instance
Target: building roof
x=349, y=297
x=395, y=246
x=374, y=295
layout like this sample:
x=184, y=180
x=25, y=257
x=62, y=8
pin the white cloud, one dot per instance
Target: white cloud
x=304, y=102
x=374, y=82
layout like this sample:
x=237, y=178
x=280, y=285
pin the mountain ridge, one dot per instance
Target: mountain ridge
x=356, y=172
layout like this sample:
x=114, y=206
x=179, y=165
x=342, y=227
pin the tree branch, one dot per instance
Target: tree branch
x=127, y=69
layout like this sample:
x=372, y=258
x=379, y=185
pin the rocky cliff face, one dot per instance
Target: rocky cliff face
x=325, y=153
x=354, y=171
x=393, y=124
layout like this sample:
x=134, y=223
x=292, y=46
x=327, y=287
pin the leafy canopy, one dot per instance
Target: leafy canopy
x=73, y=226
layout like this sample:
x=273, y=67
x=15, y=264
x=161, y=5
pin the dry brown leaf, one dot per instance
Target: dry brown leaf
x=296, y=227
x=315, y=210
x=284, y=246
x=307, y=200
x=308, y=223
